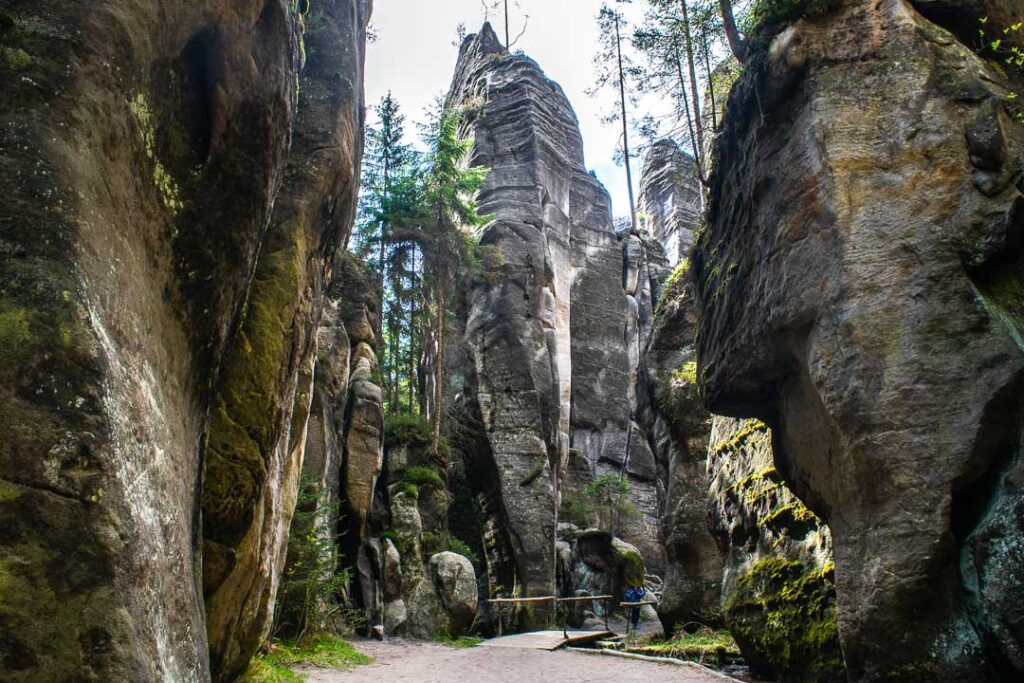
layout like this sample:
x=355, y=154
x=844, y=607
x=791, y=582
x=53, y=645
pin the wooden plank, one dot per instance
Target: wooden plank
x=546, y=640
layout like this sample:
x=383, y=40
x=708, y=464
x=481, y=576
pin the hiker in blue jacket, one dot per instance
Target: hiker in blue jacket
x=635, y=594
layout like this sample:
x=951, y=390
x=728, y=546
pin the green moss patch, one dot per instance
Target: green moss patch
x=704, y=646
x=784, y=613
x=423, y=476
x=458, y=641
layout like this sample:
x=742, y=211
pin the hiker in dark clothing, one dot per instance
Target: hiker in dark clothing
x=635, y=594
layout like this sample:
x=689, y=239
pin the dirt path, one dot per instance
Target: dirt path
x=403, y=661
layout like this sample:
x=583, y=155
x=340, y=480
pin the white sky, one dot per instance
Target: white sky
x=414, y=57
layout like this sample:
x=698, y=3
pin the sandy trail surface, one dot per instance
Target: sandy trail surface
x=404, y=661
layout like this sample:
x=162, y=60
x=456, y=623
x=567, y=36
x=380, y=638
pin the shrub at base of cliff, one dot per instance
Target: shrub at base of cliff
x=311, y=585
x=784, y=619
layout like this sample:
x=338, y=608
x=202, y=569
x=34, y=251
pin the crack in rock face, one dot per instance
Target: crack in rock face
x=860, y=288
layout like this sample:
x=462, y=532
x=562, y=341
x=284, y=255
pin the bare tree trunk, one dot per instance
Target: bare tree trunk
x=691, y=66
x=625, y=126
x=737, y=43
x=439, y=365
x=507, y=45
x=697, y=151
x=711, y=82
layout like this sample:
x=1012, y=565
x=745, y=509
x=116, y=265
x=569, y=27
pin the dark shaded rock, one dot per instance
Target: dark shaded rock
x=778, y=591
x=681, y=429
x=859, y=290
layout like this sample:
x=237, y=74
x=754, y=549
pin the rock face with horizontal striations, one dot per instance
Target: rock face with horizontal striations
x=670, y=198
x=555, y=333
x=860, y=290
x=778, y=588
x=176, y=183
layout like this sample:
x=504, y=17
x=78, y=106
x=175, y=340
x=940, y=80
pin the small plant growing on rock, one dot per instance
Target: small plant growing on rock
x=608, y=497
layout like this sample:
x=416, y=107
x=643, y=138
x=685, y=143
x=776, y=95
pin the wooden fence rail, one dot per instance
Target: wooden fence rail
x=552, y=598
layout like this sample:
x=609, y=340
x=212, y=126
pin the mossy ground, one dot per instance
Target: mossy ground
x=322, y=650
x=706, y=646
x=459, y=641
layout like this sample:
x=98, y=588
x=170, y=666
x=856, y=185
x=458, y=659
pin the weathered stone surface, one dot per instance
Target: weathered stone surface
x=860, y=289
x=778, y=591
x=455, y=582
x=554, y=340
x=594, y=562
x=681, y=426
x=670, y=198
x=518, y=324
x=257, y=431
x=150, y=152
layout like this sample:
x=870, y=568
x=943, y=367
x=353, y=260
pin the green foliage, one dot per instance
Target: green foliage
x=458, y=641
x=1001, y=46
x=311, y=584
x=607, y=496
x=706, y=645
x=460, y=547
x=406, y=429
x=412, y=430
x=424, y=476
x=408, y=488
x=320, y=650
x=432, y=543
x=394, y=537
x=574, y=511
x=786, y=612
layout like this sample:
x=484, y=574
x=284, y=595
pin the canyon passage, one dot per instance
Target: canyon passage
x=704, y=363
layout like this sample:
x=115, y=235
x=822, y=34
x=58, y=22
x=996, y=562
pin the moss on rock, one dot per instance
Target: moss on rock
x=783, y=616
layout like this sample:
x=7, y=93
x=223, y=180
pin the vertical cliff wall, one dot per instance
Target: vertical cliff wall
x=676, y=422
x=168, y=216
x=555, y=337
x=860, y=289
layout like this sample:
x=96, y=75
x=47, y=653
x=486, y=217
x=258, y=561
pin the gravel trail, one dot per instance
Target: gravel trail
x=405, y=661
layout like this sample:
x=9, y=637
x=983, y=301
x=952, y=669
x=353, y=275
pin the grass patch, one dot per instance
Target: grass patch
x=460, y=547
x=699, y=646
x=321, y=650
x=459, y=641
x=423, y=476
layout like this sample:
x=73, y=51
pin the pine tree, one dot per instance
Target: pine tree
x=388, y=197
x=676, y=37
x=449, y=213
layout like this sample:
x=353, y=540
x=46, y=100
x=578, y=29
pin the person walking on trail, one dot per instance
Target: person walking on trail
x=635, y=594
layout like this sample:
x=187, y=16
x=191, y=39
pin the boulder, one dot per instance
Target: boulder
x=455, y=582
x=778, y=586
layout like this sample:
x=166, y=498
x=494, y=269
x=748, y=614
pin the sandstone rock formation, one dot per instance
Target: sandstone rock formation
x=860, y=290
x=555, y=337
x=344, y=445
x=176, y=185
x=778, y=591
x=681, y=429
x=670, y=198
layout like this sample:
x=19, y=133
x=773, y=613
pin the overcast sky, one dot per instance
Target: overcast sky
x=414, y=57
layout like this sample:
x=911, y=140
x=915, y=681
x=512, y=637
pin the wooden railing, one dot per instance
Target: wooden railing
x=551, y=598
